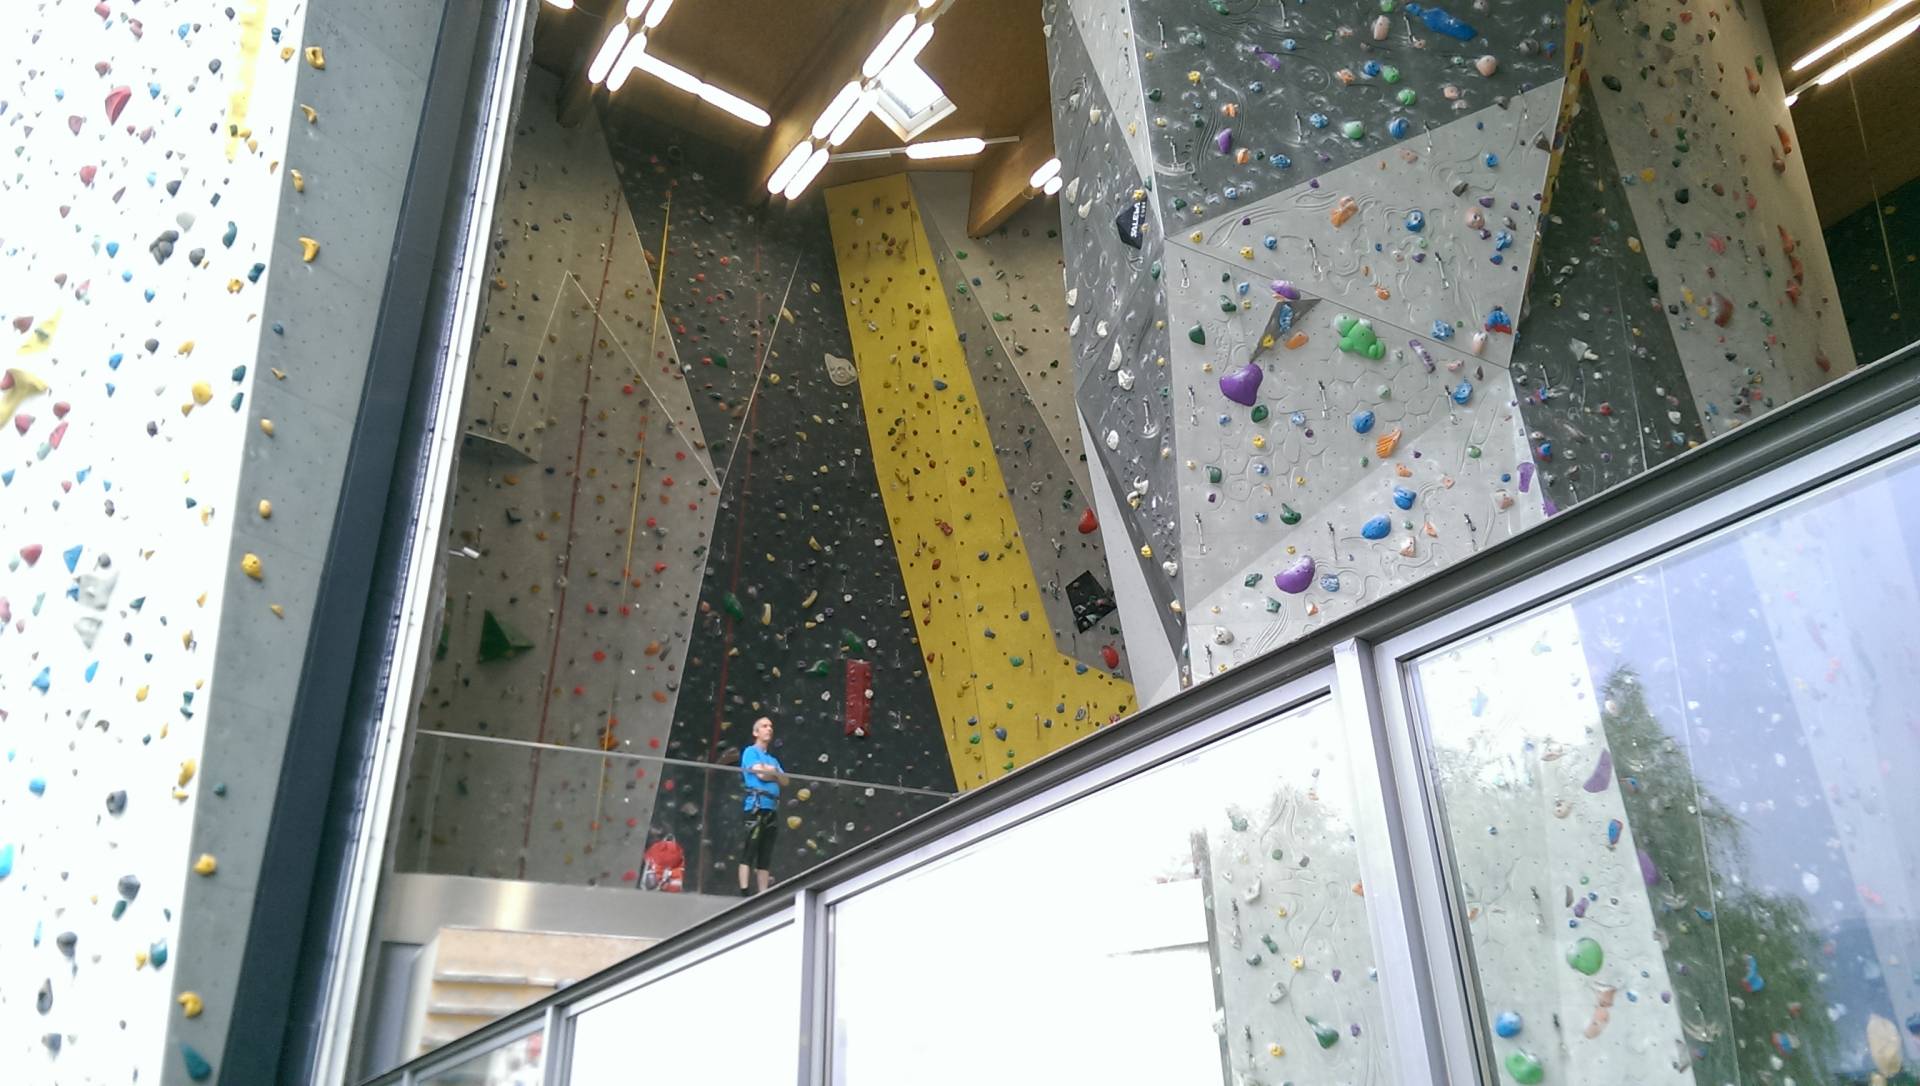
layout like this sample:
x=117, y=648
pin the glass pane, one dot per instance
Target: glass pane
x=739, y=1010
x=1680, y=802
x=1212, y=905
x=516, y=1064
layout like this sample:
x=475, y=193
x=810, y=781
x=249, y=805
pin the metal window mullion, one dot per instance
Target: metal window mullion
x=1409, y=995
x=1443, y=941
x=556, y=1044
x=810, y=925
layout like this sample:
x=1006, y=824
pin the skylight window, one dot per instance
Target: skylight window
x=909, y=101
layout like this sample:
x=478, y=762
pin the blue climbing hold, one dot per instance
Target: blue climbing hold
x=71, y=556
x=1442, y=330
x=6, y=860
x=1377, y=528
x=43, y=680
x=198, y=1069
x=1270, y=242
x=1463, y=392
x=1507, y=1024
x=1362, y=421
x=1403, y=497
x=1398, y=128
x=1440, y=21
x=1416, y=221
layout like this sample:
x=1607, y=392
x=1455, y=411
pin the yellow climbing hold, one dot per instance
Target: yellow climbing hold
x=266, y=509
x=202, y=393
x=309, y=249
x=316, y=57
x=250, y=565
x=278, y=611
x=140, y=694
x=804, y=794
x=266, y=427
x=186, y=771
x=793, y=822
x=299, y=181
x=190, y=1004
x=1146, y=550
x=312, y=117
x=206, y=864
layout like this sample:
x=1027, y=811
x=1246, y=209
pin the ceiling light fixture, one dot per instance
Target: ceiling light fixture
x=814, y=164
x=734, y=104
x=890, y=44
x=861, y=107
x=636, y=8
x=789, y=166
x=667, y=73
x=657, y=12
x=563, y=5
x=1047, y=171
x=1053, y=184
x=1850, y=33
x=629, y=60
x=609, y=51
x=836, y=110
x=911, y=51
x=1867, y=52
x=960, y=148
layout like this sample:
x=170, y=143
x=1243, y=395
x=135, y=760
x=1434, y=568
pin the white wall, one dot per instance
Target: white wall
x=122, y=476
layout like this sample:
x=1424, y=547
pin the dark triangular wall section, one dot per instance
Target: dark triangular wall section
x=1247, y=100
x=1602, y=389
x=1117, y=323
x=802, y=576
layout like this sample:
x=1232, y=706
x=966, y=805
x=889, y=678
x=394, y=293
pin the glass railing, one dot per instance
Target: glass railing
x=1634, y=810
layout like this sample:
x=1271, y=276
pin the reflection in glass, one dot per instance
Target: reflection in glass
x=1203, y=922
x=1679, y=807
x=515, y=1064
x=734, y=1017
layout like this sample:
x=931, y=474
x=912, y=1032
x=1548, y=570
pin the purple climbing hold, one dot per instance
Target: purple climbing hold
x=1242, y=386
x=1602, y=774
x=1223, y=142
x=1284, y=289
x=1648, y=872
x=1294, y=579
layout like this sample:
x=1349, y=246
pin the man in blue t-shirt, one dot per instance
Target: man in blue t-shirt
x=764, y=776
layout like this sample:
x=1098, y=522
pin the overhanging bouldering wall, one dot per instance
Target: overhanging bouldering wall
x=1007, y=693
x=1428, y=274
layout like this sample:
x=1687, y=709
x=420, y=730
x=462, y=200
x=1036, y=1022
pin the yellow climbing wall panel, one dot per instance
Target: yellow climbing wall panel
x=1006, y=695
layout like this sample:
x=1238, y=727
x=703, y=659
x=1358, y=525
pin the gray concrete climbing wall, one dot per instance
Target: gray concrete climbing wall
x=193, y=268
x=583, y=504
x=1429, y=274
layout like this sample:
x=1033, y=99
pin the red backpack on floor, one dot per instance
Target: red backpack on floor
x=665, y=866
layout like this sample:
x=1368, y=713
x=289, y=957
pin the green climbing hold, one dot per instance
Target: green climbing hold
x=1390, y=74
x=1326, y=1035
x=961, y=253
x=1198, y=335
x=1016, y=661
x=1260, y=412
x=851, y=641
x=1586, y=956
x=818, y=669
x=1524, y=1068
x=1228, y=305
x=198, y=1069
x=1153, y=269
x=720, y=360
x=1473, y=452
x=1155, y=94
x=1354, y=130
x=499, y=641
x=1001, y=317
x=1358, y=337
x=730, y=603
x=1252, y=581
x=1213, y=474
x=1288, y=514
x=1406, y=97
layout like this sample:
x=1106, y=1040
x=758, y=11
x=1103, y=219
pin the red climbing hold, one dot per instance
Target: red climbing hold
x=116, y=101
x=1111, y=655
x=1089, y=523
x=859, y=697
x=31, y=552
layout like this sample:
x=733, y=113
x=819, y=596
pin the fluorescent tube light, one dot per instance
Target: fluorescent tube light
x=563, y=5
x=789, y=166
x=1053, y=184
x=636, y=8
x=1850, y=33
x=609, y=50
x=1047, y=171
x=657, y=12
x=667, y=73
x=815, y=163
x=851, y=121
x=960, y=148
x=890, y=43
x=629, y=60
x=734, y=104
x=836, y=110
x=924, y=4
x=1867, y=52
x=910, y=51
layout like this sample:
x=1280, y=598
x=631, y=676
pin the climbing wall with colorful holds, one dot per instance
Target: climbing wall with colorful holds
x=1007, y=694
x=583, y=508
x=800, y=588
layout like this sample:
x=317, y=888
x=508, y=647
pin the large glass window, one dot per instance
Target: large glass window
x=1680, y=804
x=733, y=1017
x=1202, y=922
x=517, y=1063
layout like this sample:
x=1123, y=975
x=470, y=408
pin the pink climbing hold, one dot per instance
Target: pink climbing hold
x=31, y=552
x=117, y=100
x=1722, y=309
x=86, y=174
x=23, y=422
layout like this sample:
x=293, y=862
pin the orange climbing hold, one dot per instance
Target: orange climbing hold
x=1384, y=447
x=1344, y=211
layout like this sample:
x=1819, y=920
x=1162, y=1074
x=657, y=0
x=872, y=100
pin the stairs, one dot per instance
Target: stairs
x=468, y=976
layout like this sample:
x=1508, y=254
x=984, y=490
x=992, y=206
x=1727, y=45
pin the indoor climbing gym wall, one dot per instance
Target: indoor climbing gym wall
x=1373, y=290
x=1007, y=692
x=198, y=210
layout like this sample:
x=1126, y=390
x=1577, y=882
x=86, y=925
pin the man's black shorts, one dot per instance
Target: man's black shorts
x=756, y=850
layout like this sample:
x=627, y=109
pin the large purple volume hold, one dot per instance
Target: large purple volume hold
x=1242, y=386
x=1294, y=579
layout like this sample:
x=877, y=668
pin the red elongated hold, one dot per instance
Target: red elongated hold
x=117, y=99
x=1111, y=655
x=1089, y=523
x=59, y=432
